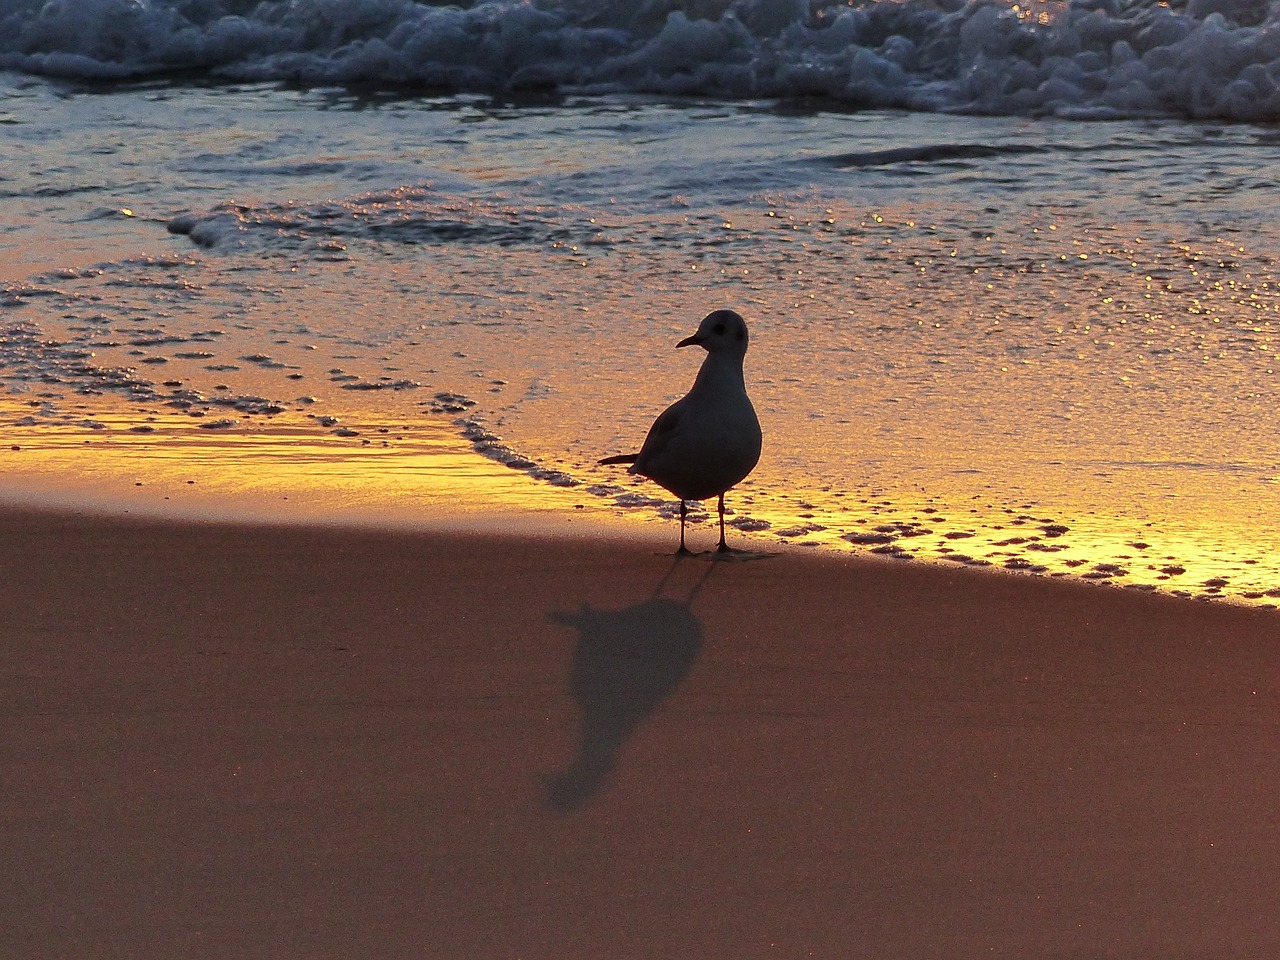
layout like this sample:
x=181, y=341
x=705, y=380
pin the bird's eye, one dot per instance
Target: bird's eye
x=718, y=328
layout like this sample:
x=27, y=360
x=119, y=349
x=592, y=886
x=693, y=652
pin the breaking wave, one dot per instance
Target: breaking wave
x=1072, y=58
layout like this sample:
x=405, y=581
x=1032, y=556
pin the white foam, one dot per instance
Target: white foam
x=1093, y=58
x=409, y=214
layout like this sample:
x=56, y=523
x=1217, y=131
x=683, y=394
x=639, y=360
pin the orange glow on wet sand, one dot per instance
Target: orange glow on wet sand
x=426, y=474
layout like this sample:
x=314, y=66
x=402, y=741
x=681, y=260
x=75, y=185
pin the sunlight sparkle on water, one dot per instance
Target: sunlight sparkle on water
x=956, y=336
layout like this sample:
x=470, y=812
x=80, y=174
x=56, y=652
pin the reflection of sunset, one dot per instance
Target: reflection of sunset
x=1185, y=561
x=957, y=342
x=401, y=475
x=395, y=475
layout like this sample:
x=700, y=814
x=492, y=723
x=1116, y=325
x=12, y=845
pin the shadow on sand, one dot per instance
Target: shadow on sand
x=625, y=663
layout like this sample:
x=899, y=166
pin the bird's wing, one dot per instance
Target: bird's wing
x=662, y=430
x=654, y=441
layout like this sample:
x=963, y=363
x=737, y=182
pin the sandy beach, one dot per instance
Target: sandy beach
x=330, y=632
x=244, y=741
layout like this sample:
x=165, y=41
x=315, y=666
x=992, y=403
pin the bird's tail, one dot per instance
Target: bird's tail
x=621, y=458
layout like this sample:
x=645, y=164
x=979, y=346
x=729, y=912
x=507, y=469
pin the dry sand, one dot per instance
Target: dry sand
x=282, y=742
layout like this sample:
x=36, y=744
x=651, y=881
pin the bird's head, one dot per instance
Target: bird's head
x=720, y=331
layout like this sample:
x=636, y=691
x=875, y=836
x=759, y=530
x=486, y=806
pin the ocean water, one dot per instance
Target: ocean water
x=1009, y=269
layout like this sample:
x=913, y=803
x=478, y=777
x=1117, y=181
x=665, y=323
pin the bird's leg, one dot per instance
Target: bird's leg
x=723, y=545
x=684, y=508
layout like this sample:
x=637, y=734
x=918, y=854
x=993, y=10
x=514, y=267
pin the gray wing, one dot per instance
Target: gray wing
x=659, y=434
x=654, y=441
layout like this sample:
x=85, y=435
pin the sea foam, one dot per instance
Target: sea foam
x=1085, y=58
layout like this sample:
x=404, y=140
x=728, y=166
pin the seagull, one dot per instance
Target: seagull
x=709, y=439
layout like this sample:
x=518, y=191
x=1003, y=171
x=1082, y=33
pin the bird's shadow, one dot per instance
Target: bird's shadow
x=729, y=555
x=625, y=663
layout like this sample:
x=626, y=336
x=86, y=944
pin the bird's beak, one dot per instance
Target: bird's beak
x=689, y=341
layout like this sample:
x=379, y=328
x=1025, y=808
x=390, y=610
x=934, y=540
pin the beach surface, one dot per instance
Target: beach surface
x=245, y=740
x=325, y=633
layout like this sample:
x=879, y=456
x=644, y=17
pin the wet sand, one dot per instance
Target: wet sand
x=246, y=741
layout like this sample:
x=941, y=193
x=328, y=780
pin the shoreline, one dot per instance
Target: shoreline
x=421, y=477
x=429, y=476
x=229, y=740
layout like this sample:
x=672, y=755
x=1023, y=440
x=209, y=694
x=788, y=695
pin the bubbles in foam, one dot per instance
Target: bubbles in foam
x=1091, y=58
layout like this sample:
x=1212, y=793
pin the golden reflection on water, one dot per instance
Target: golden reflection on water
x=171, y=465
x=1078, y=540
x=427, y=474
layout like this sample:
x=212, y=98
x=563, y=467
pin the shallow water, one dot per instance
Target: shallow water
x=1038, y=344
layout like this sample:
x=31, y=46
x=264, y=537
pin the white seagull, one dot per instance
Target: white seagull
x=709, y=439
